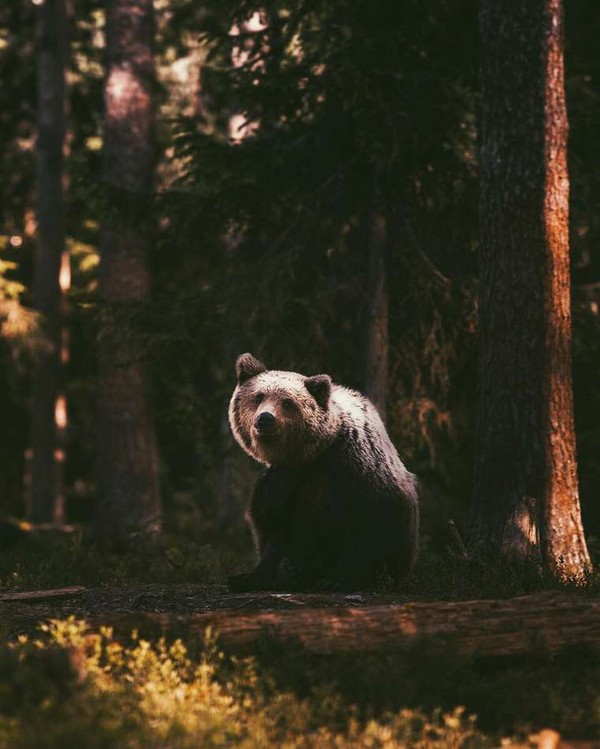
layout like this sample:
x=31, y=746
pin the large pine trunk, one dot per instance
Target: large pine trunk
x=526, y=496
x=47, y=494
x=129, y=500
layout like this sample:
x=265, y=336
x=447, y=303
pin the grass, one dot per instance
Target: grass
x=54, y=560
x=211, y=555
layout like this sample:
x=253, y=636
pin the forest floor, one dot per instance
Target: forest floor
x=419, y=696
x=130, y=641
x=20, y=611
x=178, y=598
x=546, y=622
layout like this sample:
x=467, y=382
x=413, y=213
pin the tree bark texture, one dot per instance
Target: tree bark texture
x=377, y=345
x=47, y=493
x=526, y=494
x=129, y=500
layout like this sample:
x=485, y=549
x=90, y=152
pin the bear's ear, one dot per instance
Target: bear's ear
x=247, y=366
x=319, y=387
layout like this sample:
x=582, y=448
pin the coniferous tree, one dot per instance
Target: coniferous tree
x=526, y=495
x=129, y=500
x=48, y=403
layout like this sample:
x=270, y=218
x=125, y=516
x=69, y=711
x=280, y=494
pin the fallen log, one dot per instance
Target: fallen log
x=43, y=595
x=544, y=623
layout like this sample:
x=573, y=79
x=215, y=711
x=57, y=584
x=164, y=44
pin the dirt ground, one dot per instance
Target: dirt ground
x=104, y=605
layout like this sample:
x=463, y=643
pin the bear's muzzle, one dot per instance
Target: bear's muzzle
x=265, y=424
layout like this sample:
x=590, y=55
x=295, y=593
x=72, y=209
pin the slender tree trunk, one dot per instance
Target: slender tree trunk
x=239, y=128
x=526, y=496
x=377, y=345
x=48, y=402
x=227, y=508
x=129, y=500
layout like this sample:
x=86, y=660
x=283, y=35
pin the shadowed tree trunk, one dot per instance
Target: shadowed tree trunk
x=48, y=418
x=526, y=496
x=129, y=501
x=239, y=128
x=376, y=353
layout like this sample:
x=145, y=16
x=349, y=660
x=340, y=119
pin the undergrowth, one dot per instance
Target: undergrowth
x=55, y=561
x=72, y=687
x=210, y=556
x=522, y=695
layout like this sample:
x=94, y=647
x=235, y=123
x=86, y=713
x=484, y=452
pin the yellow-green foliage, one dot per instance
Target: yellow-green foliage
x=71, y=687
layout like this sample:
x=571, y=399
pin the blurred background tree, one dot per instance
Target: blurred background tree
x=128, y=500
x=346, y=215
x=51, y=267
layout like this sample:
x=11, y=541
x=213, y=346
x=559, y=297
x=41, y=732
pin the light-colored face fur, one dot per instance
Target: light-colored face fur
x=302, y=423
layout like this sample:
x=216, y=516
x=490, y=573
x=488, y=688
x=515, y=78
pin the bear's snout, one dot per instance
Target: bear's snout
x=265, y=423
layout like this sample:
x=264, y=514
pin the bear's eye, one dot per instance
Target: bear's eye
x=288, y=404
x=259, y=397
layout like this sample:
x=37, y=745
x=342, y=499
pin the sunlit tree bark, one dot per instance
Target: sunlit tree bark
x=526, y=494
x=48, y=403
x=129, y=499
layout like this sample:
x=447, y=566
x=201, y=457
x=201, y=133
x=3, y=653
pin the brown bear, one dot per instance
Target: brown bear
x=336, y=506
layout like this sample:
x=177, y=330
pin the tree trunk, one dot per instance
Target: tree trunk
x=48, y=404
x=129, y=500
x=239, y=129
x=227, y=506
x=376, y=353
x=526, y=496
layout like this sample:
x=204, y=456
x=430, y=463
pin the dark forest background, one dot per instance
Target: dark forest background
x=345, y=112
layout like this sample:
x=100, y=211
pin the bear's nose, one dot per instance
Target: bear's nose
x=265, y=422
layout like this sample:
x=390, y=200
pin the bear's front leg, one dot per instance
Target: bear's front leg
x=262, y=576
x=289, y=576
x=352, y=571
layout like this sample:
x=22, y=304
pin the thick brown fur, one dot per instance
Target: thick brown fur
x=335, y=507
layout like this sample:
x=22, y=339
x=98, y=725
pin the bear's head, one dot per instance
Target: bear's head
x=281, y=418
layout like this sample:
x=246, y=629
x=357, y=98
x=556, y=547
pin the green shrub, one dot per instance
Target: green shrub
x=72, y=687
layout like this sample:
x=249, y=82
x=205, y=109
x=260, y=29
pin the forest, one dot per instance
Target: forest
x=402, y=196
